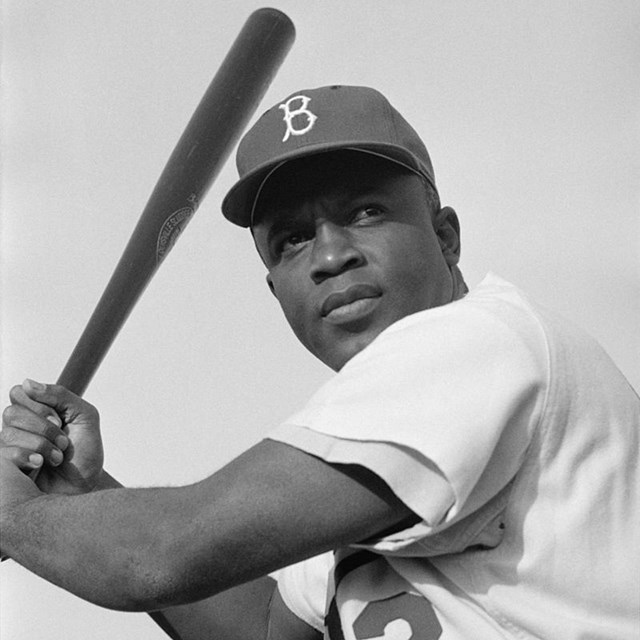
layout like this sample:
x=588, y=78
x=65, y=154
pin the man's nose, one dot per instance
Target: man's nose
x=334, y=251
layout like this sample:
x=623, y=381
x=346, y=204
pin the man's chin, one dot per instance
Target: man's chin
x=347, y=348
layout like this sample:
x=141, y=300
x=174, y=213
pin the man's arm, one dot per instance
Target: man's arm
x=32, y=431
x=250, y=611
x=239, y=613
x=142, y=549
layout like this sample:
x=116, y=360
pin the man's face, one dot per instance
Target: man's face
x=350, y=245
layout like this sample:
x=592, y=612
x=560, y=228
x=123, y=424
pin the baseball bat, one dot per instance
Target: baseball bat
x=215, y=127
x=213, y=130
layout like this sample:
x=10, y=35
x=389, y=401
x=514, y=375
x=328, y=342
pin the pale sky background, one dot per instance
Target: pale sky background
x=530, y=111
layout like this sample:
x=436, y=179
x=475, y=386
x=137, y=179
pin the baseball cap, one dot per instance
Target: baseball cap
x=316, y=121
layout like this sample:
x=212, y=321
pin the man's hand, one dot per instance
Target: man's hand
x=15, y=487
x=50, y=429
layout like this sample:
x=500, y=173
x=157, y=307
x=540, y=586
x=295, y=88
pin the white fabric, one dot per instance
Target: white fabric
x=521, y=436
x=304, y=588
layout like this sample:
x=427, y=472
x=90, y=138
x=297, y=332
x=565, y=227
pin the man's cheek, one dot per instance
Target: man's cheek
x=296, y=317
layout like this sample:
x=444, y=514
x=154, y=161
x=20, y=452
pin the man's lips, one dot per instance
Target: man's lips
x=339, y=301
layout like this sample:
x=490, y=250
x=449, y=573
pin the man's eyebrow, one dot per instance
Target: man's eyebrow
x=278, y=222
x=269, y=225
x=275, y=220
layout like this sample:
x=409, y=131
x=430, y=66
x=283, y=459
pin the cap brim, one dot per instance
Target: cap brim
x=239, y=203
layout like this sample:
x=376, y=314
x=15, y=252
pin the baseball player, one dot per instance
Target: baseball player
x=471, y=470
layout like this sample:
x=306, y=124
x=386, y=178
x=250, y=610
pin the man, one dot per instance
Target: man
x=470, y=471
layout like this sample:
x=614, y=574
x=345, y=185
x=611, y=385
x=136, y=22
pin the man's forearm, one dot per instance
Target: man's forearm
x=111, y=547
x=240, y=613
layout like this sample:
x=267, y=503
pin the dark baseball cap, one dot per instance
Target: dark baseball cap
x=316, y=121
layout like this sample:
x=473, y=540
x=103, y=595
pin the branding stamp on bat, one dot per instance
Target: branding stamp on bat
x=172, y=228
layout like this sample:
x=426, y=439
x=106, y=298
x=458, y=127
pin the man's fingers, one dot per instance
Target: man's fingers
x=22, y=458
x=18, y=416
x=66, y=404
x=24, y=429
x=18, y=395
x=12, y=438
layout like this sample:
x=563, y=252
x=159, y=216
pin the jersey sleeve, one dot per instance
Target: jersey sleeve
x=303, y=588
x=442, y=406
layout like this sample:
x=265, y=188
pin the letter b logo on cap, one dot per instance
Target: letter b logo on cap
x=298, y=111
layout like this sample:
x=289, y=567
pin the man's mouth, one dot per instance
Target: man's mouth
x=350, y=304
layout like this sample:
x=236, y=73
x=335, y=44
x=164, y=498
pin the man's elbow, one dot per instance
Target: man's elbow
x=134, y=584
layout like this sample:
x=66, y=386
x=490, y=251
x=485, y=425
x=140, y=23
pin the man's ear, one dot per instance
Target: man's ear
x=271, y=286
x=447, y=228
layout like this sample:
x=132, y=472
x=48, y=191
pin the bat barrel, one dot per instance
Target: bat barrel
x=214, y=129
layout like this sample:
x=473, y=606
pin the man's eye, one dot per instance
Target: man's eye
x=292, y=241
x=363, y=214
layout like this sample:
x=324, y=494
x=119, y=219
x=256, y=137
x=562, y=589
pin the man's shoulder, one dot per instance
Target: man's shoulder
x=494, y=311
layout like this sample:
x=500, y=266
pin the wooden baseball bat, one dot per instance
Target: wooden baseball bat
x=215, y=127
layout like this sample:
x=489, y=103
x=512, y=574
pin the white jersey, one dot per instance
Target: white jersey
x=515, y=439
